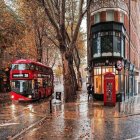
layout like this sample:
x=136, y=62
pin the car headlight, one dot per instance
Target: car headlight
x=12, y=96
x=29, y=96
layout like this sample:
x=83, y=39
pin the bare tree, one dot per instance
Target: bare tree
x=56, y=11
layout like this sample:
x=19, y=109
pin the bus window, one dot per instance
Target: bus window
x=40, y=69
x=32, y=67
x=40, y=82
x=20, y=66
x=49, y=83
x=21, y=86
x=37, y=68
x=44, y=83
x=15, y=67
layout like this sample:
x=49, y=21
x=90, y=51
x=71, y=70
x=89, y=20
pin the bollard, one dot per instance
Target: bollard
x=119, y=106
x=50, y=105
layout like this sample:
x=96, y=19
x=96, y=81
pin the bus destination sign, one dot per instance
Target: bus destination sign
x=23, y=75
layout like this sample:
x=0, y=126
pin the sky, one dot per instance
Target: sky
x=84, y=24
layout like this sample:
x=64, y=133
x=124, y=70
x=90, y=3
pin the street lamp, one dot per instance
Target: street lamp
x=129, y=26
x=129, y=9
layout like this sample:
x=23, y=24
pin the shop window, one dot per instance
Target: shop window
x=96, y=18
x=110, y=16
x=116, y=83
x=97, y=71
x=122, y=83
x=109, y=69
x=102, y=83
x=97, y=84
x=103, y=70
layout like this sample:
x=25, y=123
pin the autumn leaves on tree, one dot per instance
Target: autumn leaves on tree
x=47, y=29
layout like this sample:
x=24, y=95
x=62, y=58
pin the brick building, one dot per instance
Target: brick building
x=114, y=36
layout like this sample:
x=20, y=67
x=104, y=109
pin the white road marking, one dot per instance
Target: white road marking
x=133, y=138
x=7, y=124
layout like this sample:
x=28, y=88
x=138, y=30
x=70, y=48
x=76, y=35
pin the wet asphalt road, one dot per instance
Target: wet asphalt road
x=81, y=120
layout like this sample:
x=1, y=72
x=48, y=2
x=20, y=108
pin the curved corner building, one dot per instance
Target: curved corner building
x=114, y=35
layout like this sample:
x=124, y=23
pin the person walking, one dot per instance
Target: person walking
x=89, y=90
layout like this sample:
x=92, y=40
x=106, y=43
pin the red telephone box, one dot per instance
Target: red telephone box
x=109, y=89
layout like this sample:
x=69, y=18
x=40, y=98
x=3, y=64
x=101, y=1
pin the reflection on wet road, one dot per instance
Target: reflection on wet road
x=85, y=121
x=80, y=120
x=17, y=117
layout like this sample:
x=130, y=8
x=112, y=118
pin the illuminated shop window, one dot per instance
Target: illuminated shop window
x=103, y=70
x=109, y=69
x=116, y=83
x=99, y=78
x=97, y=84
x=102, y=83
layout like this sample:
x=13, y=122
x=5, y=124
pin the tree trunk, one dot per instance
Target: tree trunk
x=69, y=77
x=77, y=64
x=79, y=79
x=39, y=57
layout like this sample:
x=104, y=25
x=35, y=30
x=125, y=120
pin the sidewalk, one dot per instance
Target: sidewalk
x=131, y=106
x=83, y=120
x=5, y=99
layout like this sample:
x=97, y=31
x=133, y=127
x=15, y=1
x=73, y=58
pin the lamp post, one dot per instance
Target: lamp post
x=129, y=8
x=129, y=26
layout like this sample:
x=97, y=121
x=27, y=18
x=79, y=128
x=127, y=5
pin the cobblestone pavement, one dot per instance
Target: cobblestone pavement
x=83, y=120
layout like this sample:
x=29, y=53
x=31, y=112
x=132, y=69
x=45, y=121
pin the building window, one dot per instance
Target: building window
x=106, y=43
x=122, y=46
x=122, y=17
x=110, y=16
x=109, y=43
x=97, y=47
x=116, y=46
x=96, y=18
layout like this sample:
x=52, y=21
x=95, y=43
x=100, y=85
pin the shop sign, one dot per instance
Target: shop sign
x=119, y=65
x=103, y=64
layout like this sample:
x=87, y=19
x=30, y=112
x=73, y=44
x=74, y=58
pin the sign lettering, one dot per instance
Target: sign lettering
x=23, y=75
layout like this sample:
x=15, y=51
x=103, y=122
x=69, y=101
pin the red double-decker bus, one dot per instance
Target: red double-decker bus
x=30, y=80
